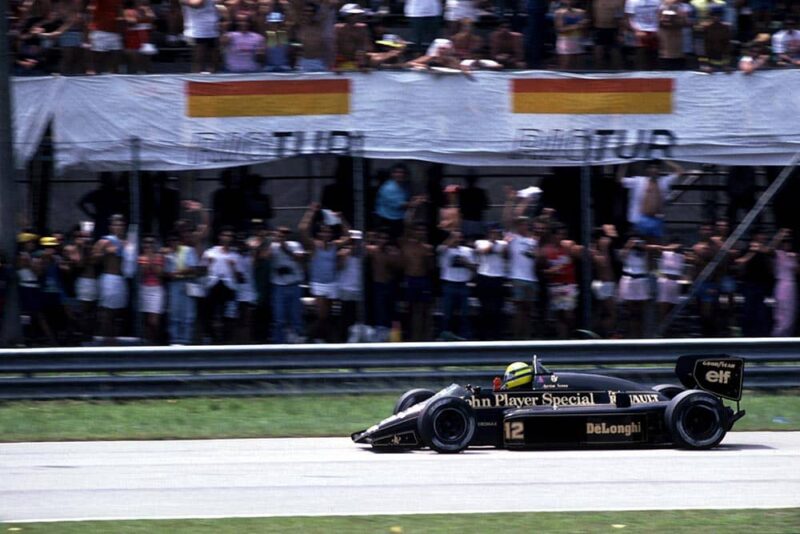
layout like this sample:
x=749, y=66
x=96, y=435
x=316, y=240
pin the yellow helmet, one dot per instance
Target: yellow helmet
x=517, y=374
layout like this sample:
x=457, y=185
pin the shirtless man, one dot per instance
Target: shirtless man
x=108, y=253
x=708, y=293
x=352, y=40
x=385, y=260
x=648, y=196
x=466, y=43
x=604, y=285
x=506, y=47
x=606, y=18
x=311, y=34
x=418, y=256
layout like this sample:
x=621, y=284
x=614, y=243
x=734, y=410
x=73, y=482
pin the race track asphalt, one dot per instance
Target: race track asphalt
x=333, y=476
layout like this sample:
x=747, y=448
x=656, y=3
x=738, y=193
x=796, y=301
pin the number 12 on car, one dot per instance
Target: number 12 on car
x=513, y=430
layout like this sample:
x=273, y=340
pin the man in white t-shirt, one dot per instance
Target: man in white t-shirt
x=523, y=246
x=424, y=17
x=456, y=267
x=641, y=17
x=222, y=279
x=786, y=44
x=492, y=254
x=286, y=273
x=648, y=196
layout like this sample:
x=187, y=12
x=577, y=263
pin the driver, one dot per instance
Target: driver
x=517, y=375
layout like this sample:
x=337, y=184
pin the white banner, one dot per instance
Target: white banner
x=33, y=101
x=530, y=118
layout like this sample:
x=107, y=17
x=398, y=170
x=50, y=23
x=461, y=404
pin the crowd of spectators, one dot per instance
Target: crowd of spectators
x=97, y=36
x=429, y=266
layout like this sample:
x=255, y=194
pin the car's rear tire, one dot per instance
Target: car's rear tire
x=696, y=420
x=447, y=425
x=410, y=398
x=670, y=391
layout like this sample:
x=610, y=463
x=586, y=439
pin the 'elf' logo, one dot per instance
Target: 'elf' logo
x=718, y=377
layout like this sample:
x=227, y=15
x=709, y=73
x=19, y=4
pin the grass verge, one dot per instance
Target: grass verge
x=728, y=521
x=288, y=416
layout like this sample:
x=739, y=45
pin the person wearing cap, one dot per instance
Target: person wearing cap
x=442, y=57
x=391, y=52
x=352, y=40
x=52, y=287
x=277, y=43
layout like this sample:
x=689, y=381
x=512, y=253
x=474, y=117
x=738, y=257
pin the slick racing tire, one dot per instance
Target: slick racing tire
x=696, y=420
x=668, y=390
x=447, y=425
x=410, y=398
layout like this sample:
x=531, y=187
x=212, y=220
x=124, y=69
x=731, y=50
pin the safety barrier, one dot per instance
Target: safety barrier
x=142, y=372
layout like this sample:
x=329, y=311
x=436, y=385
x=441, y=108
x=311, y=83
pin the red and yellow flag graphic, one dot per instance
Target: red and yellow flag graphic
x=597, y=97
x=268, y=98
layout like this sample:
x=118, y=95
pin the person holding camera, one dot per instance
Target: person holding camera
x=634, y=285
x=492, y=270
x=286, y=272
x=457, y=265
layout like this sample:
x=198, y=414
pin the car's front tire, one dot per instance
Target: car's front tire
x=410, y=398
x=447, y=425
x=696, y=420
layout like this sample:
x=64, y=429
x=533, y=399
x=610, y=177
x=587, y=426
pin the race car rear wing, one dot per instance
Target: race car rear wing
x=719, y=374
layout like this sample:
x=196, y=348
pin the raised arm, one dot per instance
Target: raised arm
x=305, y=225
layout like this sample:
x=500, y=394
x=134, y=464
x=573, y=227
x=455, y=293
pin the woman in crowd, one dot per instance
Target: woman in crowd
x=151, y=289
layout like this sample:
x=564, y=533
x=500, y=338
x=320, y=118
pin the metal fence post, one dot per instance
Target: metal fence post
x=586, y=237
x=11, y=328
x=133, y=231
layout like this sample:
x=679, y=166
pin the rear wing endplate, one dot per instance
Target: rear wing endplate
x=720, y=374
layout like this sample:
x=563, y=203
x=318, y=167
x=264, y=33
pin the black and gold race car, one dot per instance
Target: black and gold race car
x=540, y=409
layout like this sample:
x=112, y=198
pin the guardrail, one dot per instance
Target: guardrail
x=142, y=372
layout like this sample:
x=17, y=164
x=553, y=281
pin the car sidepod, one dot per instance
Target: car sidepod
x=591, y=427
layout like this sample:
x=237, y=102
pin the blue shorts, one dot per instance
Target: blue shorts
x=418, y=289
x=650, y=226
x=708, y=292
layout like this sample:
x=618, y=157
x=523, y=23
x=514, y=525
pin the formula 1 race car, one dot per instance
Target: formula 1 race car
x=535, y=408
